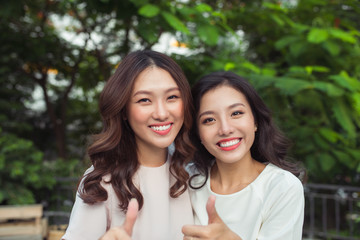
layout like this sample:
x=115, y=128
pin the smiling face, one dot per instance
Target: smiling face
x=226, y=124
x=155, y=110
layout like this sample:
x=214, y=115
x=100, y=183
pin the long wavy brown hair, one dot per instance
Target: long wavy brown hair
x=114, y=151
x=270, y=144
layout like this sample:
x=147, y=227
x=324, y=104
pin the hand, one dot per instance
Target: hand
x=124, y=232
x=216, y=228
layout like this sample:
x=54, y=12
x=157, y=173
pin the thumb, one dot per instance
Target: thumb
x=131, y=215
x=211, y=211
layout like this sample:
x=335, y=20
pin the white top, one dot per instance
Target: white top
x=161, y=217
x=271, y=207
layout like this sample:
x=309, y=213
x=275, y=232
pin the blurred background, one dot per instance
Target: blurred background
x=302, y=56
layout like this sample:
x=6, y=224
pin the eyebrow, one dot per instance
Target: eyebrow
x=229, y=107
x=149, y=92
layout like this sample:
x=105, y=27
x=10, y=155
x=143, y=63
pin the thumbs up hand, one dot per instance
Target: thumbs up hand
x=216, y=228
x=124, y=232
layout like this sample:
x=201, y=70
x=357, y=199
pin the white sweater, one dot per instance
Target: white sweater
x=271, y=207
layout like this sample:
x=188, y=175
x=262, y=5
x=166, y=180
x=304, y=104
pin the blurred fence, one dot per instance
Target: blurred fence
x=331, y=211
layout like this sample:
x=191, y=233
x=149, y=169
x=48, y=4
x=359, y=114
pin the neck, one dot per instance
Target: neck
x=152, y=157
x=227, y=178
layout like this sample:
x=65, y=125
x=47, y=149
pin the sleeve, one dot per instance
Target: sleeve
x=285, y=213
x=87, y=221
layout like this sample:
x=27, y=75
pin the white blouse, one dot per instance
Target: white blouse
x=160, y=218
x=270, y=208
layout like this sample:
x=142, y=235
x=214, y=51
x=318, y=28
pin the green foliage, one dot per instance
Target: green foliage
x=21, y=170
x=303, y=60
x=310, y=74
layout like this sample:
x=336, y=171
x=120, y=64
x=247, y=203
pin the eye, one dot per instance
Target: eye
x=143, y=100
x=208, y=120
x=173, y=97
x=237, y=113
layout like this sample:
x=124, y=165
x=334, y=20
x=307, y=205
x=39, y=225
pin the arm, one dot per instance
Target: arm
x=216, y=228
x=86, y=221
x=285, y=215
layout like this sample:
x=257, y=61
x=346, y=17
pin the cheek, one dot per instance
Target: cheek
x=203, y=134
x=178, y=110
x=136, y=114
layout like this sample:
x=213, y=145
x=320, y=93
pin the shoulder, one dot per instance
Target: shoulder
x=275, y=178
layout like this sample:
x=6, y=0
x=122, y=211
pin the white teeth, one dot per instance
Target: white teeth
x=229, y=143
x=160, y=128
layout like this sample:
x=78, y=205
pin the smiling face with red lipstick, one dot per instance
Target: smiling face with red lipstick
x=155, y=110
x=227, y=127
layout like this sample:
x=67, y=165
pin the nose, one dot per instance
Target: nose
x=161, y=112
x=225, y=127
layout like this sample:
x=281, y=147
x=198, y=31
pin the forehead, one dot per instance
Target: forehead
x=153, y=78
x=221, y=97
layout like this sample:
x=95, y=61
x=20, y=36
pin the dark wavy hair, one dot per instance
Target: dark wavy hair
x=114, y=150
x=270, y=145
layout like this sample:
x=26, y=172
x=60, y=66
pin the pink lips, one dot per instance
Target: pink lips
x=161, y=129
x=232, y=146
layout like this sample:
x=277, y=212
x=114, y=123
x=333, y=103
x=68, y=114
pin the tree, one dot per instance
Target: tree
x=303, y=59
x=106, y=31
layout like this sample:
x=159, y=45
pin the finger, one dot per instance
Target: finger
x=211, y=210
x=116, y=233
x=190, y=238
x=131, y=215
x=194, y=231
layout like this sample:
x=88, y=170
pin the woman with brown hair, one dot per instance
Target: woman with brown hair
x=145, y=108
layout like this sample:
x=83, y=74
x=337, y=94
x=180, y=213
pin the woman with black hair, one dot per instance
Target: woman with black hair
x=242, y=162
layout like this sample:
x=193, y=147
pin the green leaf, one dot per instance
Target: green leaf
x=297, y=48
x=327, y=162
x=260, y=81
x=356, y=101
x=297, y=69
x=149, y=10
x=203, y=7
x=329, y=134
x=333, y=48
x=268, y=72
x=250, y=66
x=229, y=66
x=208, y=34
x=223, y=18
x=291, y=86
x=175, y=23
x=285, y=41
x=344, y=158
x=320, y=142
x=329, y=88
x=355, y=153
x=342, y=35
x=310, y=69
x=342, y=115
x=274, y=6
x=278, y=20
x=344, y=80
x=317, y=35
